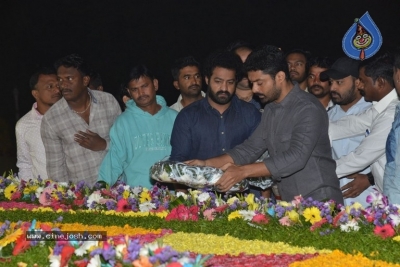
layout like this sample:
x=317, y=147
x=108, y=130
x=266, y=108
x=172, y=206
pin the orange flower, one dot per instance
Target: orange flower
x=142, y=262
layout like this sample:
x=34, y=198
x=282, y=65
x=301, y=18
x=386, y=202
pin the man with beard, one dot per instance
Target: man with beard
x=215, y=124
x=298, y=63
x=294, y=130
x=75, y=130
x=187, y=79
x=141, y=135
x=316, y=87
x=376, y=85
x=343, y=79
x=31, y=156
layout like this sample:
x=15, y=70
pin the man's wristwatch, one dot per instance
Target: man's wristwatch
x=371, y=178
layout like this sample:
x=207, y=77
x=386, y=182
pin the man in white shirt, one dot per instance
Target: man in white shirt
x=376, y=85
x=343, y=79
x=31, y=156
x=187, y=79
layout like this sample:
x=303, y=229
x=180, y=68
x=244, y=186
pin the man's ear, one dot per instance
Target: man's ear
x=35, y=94
x=86, y=80
x=155, y=82
x=381, y=83
x=206, y=79
x=176, y=85
x=280, y=77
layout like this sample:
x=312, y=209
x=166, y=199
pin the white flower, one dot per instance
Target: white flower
x=39, y=191
x=95, y=261
x=203, y=197
x=70, y=193
x=127, y=187
x=144, y=251
x=182, y=194
x=82, y=250
x=350, y=225
x=55, y=261
x=247, y=214
x=95, y=197
x=394, y=219
x=119, y=250
x=165, y=177
x=137, y=190
x=147, y=206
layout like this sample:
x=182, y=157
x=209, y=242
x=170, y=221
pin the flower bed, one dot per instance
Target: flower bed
x=232, y=231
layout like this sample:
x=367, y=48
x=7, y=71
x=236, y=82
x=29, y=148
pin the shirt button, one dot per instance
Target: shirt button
x=222, y=117
x=222, y=132
x=223, y=149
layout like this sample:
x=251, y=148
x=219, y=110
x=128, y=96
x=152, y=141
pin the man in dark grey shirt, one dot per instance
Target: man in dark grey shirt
x=294, y=130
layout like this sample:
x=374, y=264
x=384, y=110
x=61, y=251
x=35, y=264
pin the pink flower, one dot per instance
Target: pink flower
x=183, y=213
x=260, y=218
x=45, y=196
x=285, y=221
x=221, y=208
x=123, y=205
x=384, y=231
x=16, y=195
x=209, y=214
x=297, y=201
x=318, y=224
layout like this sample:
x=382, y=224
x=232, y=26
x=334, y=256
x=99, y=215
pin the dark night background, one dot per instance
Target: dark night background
x=113, y=36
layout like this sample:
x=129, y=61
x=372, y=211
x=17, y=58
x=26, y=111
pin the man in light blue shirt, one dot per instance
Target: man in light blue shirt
x=391, y=177
x=348, y=100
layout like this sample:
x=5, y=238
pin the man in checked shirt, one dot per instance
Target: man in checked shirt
x=75, y=131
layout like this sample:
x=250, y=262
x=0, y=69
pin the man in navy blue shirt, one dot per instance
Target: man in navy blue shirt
x=215, y=124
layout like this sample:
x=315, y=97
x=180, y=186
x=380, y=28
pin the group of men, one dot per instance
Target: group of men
x=325, y=126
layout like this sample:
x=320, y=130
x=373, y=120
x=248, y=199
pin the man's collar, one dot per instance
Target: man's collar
x=384, y=102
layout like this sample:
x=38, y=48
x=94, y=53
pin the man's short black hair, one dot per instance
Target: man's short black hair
x=269, y=59
x=136, y=72
x=181, y=63
x=239, y=44
x=35, y=77
x=95, y=80
x=322, y=62
x=396, y=58
x=379, y=67
x=74, y=61
x=223, y=59
x=305, y=53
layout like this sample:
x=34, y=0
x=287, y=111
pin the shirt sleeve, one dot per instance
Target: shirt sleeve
x=252, y=148
x=181, y=138
x=115, y=112
x=371, y=148
x=307, y=130
x=24, y=161
x=55, y=157
x=391, y=181
x=114, y=161
x=352, y=125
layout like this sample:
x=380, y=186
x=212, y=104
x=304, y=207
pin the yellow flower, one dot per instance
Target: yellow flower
x=396, y=238
x=293, y=216
x=231, y=200
x=250, y=202
x=234, y=215
x=284, y=203
x=125, y=195
x=11, y=237
x=355, y=206
x=312, y=214
x=9, y=191
x=30, y=189
x=145, y=196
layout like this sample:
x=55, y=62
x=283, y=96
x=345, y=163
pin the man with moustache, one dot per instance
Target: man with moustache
x=217, y=123
x=343, y=79
x=187, y=79
x=376, y=85
x=31, y=156
x=141, y=135
x=243, y=90
x=316, y=87
x=294, y=130
x=298, y=63
x=75, y=130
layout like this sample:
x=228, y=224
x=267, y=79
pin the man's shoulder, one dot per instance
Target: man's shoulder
x=25, y=120
x=56, y=110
